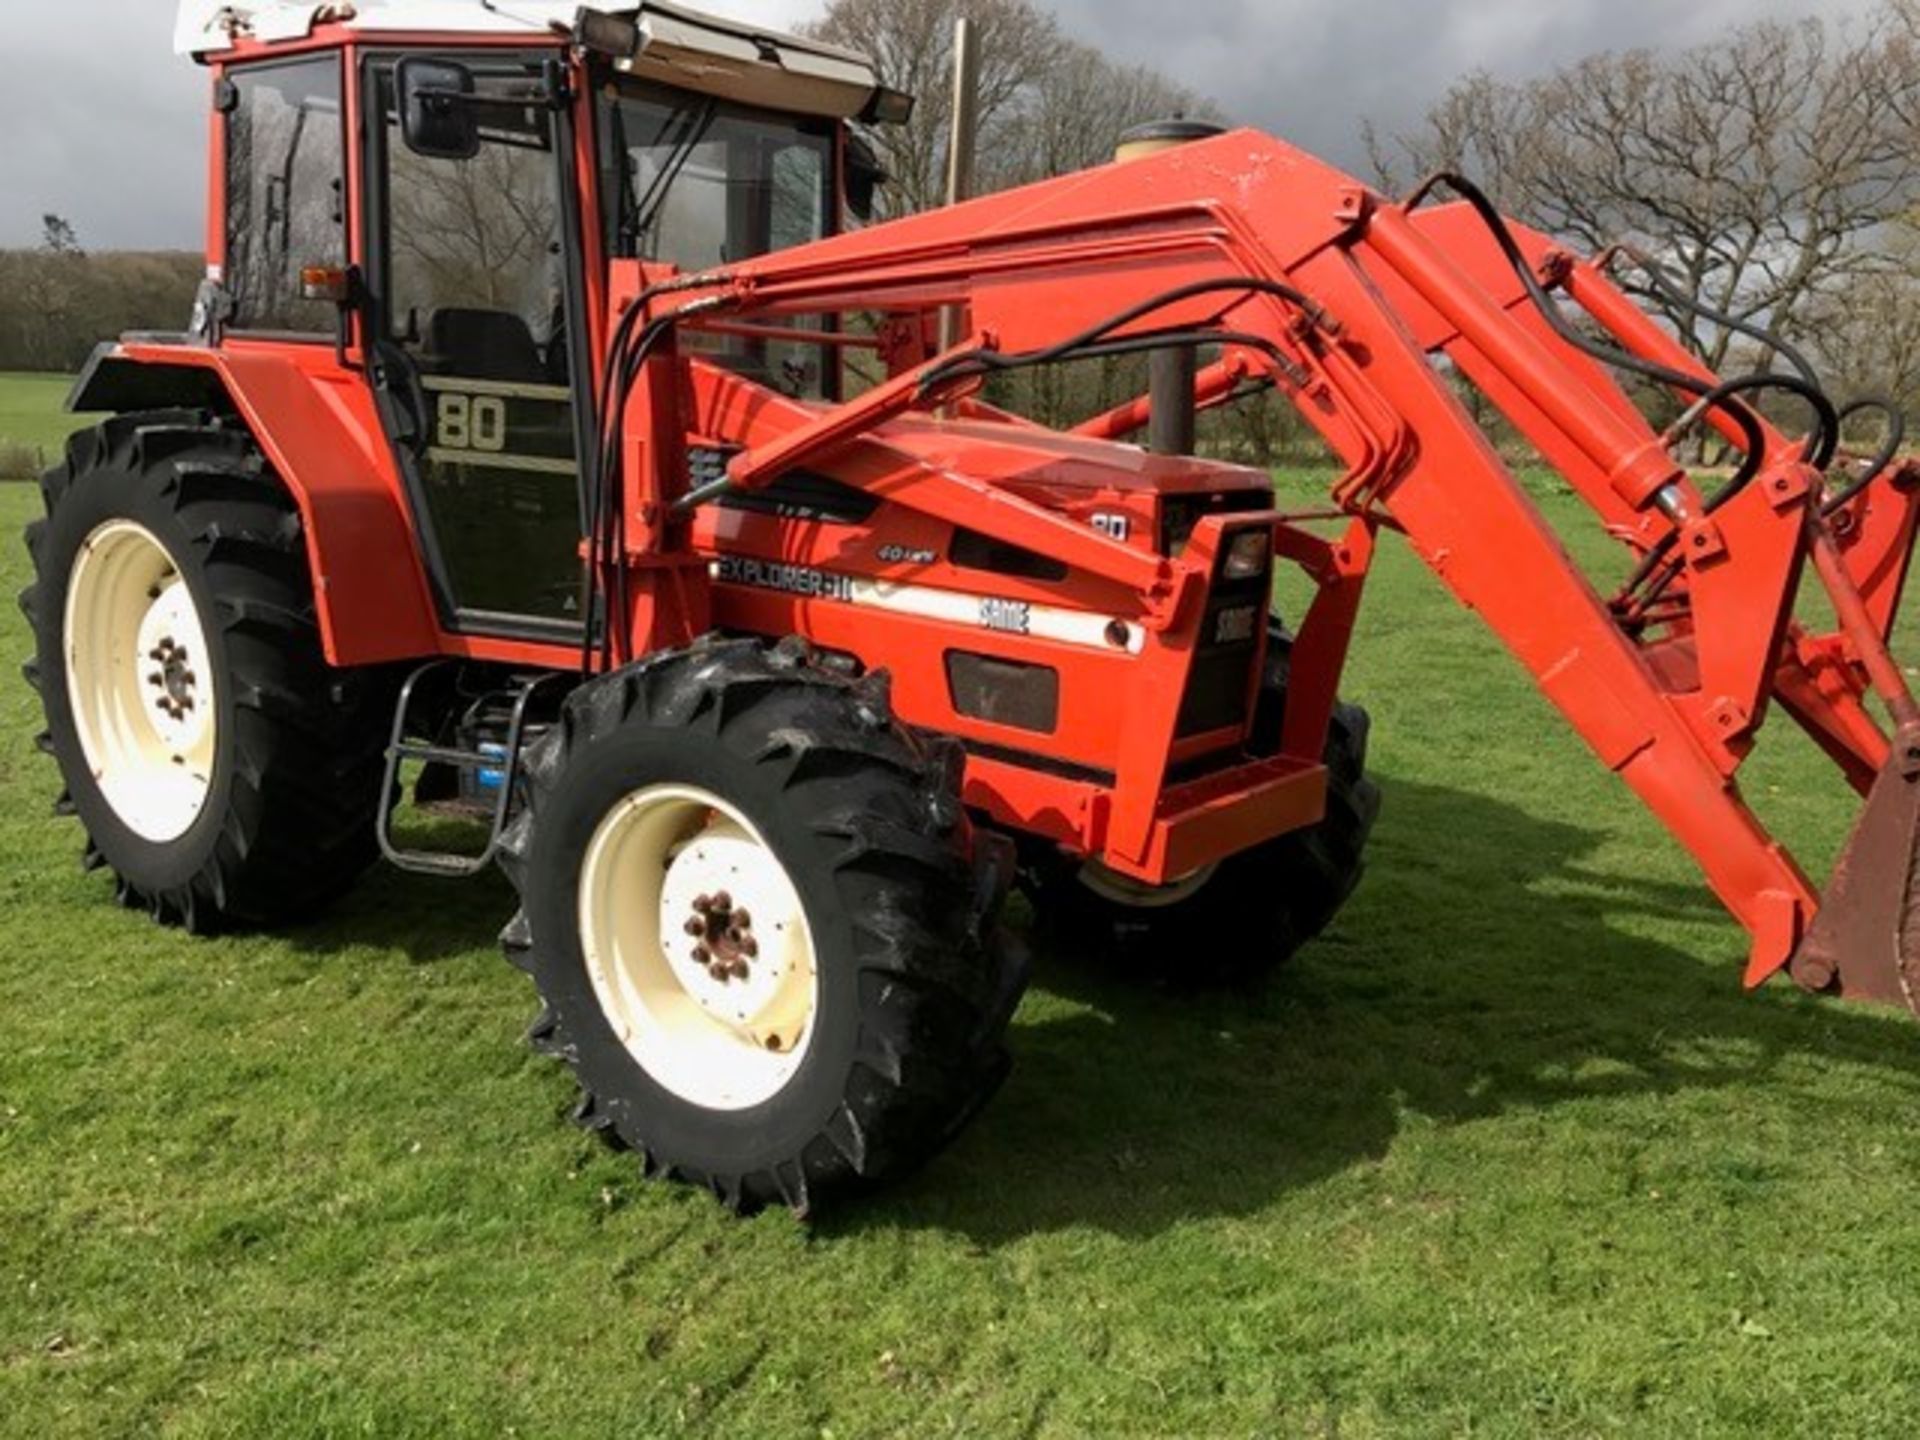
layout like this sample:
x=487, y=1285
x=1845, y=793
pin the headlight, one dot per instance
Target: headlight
x=1247, y=555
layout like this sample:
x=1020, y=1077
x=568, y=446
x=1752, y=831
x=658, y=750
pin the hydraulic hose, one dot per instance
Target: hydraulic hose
x=1889, y=449
x=1081, y=346
x=1820, y=447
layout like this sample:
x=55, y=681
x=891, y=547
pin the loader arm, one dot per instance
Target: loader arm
x=1345, y=301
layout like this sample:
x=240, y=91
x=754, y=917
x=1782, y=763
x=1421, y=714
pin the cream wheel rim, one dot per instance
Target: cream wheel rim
x=1110, y=885
x=140, y=682
x=697, y=947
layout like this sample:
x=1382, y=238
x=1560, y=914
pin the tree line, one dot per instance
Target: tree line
x=57, y=301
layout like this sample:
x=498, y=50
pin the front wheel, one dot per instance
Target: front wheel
x=1237, y=920
x=748, y=906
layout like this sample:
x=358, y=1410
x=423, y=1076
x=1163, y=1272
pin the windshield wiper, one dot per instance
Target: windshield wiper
x=648, y=210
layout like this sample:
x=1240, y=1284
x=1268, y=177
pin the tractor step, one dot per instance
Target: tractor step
x=498, y=765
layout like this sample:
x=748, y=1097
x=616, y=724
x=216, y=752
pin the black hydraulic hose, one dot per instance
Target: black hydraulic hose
x=1826, y=420
x=1822, y=445
x=1664, y=287
x=980, y=362
x=991, y=362
x=1716, y=397
x=606, y=517
x=1888, y=451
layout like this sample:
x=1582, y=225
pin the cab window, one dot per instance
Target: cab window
x=286, y=188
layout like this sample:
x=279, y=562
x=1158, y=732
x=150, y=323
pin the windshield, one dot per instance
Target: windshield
x=697, y=183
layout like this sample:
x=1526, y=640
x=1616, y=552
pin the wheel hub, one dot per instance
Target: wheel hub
x=714, y=886
x=167, y=650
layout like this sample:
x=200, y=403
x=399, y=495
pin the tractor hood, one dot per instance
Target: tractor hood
x=731, y=59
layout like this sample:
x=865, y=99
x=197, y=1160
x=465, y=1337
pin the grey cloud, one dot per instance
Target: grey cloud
x=107, y=127
x=1314, y=71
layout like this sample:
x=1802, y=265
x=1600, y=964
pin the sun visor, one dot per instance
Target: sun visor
x=751, y=67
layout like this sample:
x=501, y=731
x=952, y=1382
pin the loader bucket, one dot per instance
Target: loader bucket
x=1865, y=940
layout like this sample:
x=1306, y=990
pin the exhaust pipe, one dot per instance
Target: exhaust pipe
x=1173, y=424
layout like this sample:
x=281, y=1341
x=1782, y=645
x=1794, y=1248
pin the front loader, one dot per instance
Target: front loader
x=514, y=466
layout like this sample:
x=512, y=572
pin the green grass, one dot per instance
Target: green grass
x=33, y=427
x=1507, y=1153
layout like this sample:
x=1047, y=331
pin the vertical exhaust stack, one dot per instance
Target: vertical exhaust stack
x=1173, y=426
x=961, y=145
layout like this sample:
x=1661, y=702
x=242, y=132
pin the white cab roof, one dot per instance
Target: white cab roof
x=731, y=59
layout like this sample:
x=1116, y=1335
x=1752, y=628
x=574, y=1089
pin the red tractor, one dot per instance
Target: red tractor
x=512, y=444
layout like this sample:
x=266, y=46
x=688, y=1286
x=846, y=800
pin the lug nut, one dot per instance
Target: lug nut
x=750, y=948
x=742, y=920
x=723, y=901
x=695, y=928
x=702, y=904
x=702, y=955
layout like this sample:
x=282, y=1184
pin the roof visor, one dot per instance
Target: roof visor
x=729, y=59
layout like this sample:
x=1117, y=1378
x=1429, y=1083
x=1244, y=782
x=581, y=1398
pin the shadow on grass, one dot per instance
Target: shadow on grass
x=1479, y=970
x=424, y=917
x=1485, y=966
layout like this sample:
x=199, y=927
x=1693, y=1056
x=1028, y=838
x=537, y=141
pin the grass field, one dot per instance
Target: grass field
x=1508, y=1153
x=33, y=427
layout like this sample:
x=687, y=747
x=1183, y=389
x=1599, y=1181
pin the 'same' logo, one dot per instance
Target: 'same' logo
x=1013, y=616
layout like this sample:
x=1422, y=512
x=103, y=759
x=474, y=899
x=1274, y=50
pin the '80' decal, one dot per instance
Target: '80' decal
x=471, y=422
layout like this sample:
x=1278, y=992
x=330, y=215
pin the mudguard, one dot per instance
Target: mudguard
x=319, y=429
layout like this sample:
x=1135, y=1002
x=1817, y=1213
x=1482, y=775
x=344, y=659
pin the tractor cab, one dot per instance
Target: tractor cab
x=437, y=192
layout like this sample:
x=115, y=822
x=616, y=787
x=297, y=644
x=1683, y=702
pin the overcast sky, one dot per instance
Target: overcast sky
x=105, y=125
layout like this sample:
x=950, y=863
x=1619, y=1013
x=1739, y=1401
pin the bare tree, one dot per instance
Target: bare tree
x=1048, y=106
x=1764, y=169
x=1083, y=106
x=1866, y=327
x=911, y=41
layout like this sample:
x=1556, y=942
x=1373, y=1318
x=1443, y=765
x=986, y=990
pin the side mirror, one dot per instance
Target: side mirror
x=865, y=176
x=437, y=117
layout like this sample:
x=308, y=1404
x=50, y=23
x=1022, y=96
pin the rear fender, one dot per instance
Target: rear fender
x=319, y=429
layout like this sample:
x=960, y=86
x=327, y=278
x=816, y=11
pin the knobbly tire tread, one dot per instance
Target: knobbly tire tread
x=933, y=990
x=1263, y=905
x=298, y=784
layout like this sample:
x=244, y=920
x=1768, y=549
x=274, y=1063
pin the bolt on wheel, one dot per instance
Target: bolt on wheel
x=697, y=947
x=141, y=689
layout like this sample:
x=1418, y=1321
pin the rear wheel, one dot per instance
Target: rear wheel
x=1240, y=919
x=221, y=769
x=748, y=906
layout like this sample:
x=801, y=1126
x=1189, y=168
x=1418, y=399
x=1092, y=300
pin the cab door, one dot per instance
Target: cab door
x=474, y=271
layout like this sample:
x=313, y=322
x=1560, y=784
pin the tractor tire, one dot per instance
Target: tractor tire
x=223, y=772
x=748, y=908
x=1240, y=920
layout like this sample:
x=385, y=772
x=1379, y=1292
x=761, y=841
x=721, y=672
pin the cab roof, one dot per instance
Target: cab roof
x=731, y=59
